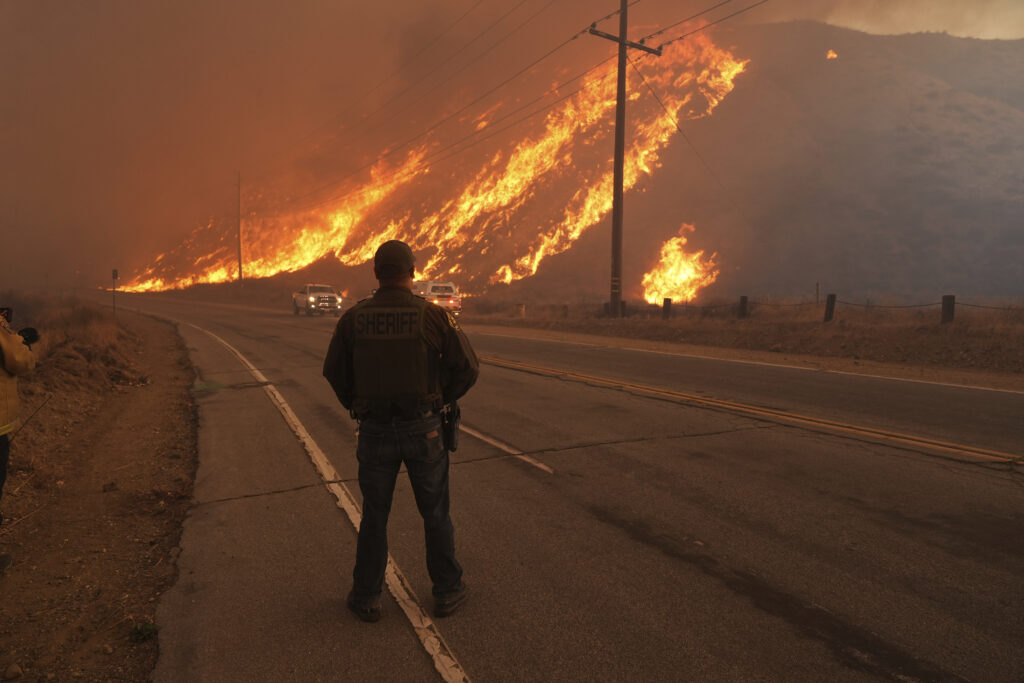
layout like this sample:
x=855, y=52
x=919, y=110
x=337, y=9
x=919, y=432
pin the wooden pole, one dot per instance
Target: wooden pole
x=830, y=307
x=948, y=308
x=615, y=305
x=239, y=226
x=618, y=171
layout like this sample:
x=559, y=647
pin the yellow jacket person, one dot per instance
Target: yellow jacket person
x=18, y=359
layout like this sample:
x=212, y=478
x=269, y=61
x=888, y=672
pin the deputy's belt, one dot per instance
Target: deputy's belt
x=394, y=414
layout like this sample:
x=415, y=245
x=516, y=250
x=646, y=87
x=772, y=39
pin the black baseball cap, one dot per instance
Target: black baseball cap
x=394, y=258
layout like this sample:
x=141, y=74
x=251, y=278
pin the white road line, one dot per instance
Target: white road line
x=430, y=637
x=508, y=449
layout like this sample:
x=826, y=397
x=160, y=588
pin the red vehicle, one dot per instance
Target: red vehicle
x=444, y=294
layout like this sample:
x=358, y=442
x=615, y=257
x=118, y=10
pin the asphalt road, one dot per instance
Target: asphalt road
x=661, y=540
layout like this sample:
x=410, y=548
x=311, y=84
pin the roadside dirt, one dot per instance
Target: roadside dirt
x=99, y=483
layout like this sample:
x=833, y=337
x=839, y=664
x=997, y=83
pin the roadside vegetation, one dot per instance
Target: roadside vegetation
x=100, y=477
x=989, y=339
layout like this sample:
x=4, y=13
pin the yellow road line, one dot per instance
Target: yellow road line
x=757, y=411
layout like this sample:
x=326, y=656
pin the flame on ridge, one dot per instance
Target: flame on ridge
x=831, y=54
x=528, y=200
x=679, y=275
x=289, y=245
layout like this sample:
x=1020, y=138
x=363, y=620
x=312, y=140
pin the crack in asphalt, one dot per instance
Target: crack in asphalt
x=853, y=646
x=616, y=442
x=502, y=456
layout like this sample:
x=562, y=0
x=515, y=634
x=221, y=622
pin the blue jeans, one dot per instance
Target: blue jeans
x=5, y=453
x=382, y=448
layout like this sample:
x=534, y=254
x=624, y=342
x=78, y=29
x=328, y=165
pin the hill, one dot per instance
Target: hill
x=894, y=170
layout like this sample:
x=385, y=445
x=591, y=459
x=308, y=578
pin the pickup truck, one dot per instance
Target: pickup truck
x=444, y=294
x=316, y=299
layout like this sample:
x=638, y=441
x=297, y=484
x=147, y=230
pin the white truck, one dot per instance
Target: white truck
x=444, y=294
x=313, y=298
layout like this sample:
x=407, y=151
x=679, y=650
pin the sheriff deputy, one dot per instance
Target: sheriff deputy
x=395, y=361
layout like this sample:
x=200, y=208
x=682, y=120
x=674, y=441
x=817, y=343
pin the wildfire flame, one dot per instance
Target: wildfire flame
x=500, y=225
x=678, y=275
x=831, y=54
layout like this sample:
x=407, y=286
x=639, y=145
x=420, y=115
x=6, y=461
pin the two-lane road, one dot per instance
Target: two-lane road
x=650, y=538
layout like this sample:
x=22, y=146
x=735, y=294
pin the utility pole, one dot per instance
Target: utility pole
x=239, y=227
x=113, y=292
x=615, y=308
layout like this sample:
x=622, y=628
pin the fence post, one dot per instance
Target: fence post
x=830, y=307
x=743, y=307
x=948, y=307
x=666, y=309
x=520, y=310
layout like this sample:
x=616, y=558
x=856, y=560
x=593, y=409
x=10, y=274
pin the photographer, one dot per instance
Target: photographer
x=17, y=359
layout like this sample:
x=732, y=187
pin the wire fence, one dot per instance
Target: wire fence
x=744, y=307
x=871, y=305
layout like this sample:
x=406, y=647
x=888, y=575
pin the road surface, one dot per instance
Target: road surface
x=620, y=515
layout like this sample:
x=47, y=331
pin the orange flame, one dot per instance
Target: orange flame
x=682, y=67
x=499, y=225
x=678, y=275
x=831, y=54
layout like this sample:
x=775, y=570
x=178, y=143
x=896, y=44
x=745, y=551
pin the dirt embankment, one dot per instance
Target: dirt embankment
x=99, y=483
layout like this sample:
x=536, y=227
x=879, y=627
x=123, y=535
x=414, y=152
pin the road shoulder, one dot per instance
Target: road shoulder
x=902, y=371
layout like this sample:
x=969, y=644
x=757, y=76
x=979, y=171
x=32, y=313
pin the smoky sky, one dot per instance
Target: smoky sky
x=125, y=123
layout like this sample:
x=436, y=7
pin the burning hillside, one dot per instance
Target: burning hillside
x=525, y=199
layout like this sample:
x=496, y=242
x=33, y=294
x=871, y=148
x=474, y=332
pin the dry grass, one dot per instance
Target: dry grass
x=82, y=355
x=62, y=320
x=100, y=478
x=984, y=339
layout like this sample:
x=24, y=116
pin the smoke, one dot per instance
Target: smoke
x=989, y=19
x=123, y=123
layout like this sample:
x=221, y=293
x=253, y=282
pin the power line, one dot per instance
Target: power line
x=448, y=117
x=402, y=67
x=452, y=150
x=465, y=66
x=430, y=73
x=713, y=23
x=675, y=122
x=683, y=21
x=264, y=164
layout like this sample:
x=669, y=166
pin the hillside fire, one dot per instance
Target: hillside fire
x=524, y=201
x=831, y=54
x=679, y=276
